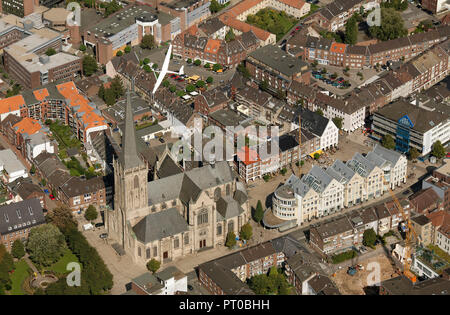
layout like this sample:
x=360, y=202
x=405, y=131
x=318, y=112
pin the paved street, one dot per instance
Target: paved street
x=157, y=56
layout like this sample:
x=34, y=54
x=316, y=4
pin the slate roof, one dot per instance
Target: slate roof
x=228, y=208
x=311, y=121
x=422, y=119
x=401, y=285
x=159, y=225
x=20, y=215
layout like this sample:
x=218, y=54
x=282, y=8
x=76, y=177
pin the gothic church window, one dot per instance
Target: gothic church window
x=136, y=182
x=202, y=217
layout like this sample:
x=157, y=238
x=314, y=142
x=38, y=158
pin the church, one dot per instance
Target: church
x=174, y=216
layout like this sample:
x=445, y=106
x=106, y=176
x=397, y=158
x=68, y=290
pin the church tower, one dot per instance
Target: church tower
x=130, y=181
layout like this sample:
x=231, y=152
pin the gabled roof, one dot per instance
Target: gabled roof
x=159, y=225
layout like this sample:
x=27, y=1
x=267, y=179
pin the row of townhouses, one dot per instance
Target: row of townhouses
x=342, y=233
x=327, y=52
x=325, y=191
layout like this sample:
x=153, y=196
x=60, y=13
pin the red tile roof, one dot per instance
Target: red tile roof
x=248, y=156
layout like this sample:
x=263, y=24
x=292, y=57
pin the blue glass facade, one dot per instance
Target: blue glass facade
x=402, y=135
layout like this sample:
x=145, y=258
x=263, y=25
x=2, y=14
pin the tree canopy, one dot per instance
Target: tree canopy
x=246, y=232
x=89, y=65
x=18, y=249
x=369, y=237
x=231, y=239
x=259, y=212
x=153, y=265
x=438, y=150
x=46, y=244
x=388, y=142
x=148, y=41
x=391, y=26
x=91, y=213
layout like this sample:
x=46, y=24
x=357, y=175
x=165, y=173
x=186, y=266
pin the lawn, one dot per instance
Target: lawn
x=19, y=275
x=273, y=21
x=64, y=135
x=60, y=267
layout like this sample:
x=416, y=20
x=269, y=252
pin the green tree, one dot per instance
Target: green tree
x=200, y=84
x=62, y=218
x=112, y=7
x=153, y=265
x=351, y=31
x=216, y=67
x=369, y=238
x=231, y=239
x=190, y=88
x=207, y=65
x=243, y=70
x=101, y=92
x=189, y=61
x=155, y=66
x=117, y=87
x=209, y=80
x=262, y=284
x=180, y=93
x=18, y=249
x=127, y=49
x=229, y=36
x=110, y=97
x=91, y=213
x=173, y=88
x=50, y=52
x=89, y=65
x=119, y=53
x=46, y=244
x=438, y=150
x=148, y=41
x=6, y=266
x=246, y=232
x=33, y=169
x=316, y=156
x=388, y=142
x=413, y=153
x=82, y=48
x=215, y=6
x=264, y=85
x=319, y=111
x=391, y=26
x=197, y=62
x=283, y=171
x=165, y=83
x=259, y=212
x=338, y=122
x=146, y=61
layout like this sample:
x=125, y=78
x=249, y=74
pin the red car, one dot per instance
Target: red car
x=52, y=197
x=297, y=28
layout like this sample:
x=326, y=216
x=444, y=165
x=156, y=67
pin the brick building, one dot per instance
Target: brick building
x=277, y=68
x=17, y=219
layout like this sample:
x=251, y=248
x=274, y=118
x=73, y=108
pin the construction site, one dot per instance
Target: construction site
x=354, y=279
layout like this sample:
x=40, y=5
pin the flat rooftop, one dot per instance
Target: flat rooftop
x=123, y=19
x=279, y=60
x=179, y=4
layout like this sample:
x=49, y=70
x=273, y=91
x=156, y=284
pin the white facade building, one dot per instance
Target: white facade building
x=11, y=167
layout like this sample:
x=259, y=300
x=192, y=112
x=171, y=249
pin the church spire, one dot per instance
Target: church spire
x=129, y=157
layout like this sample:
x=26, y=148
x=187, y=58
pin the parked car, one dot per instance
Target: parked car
x=51, y=197
x=363, y=250
x=190, y=288
x=103, y=235
x=99, y=224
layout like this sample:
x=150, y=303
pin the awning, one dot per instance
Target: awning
x=318, y=151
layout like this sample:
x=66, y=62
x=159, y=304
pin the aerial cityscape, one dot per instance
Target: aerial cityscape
x=225, y=147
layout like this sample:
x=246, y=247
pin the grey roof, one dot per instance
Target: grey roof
x=311, y=121
x=170, y=272
x=422, y=119
x=297, y=185
x=159, y=225
x=361, y=165
x=148, y=283
x=20, y=215
x=388, y=155
x=345, y=172
x=10, y=162
x=401, y=285
x=279, y=60
x=24, y=187
x=76, y=186
x=228, y=207
x=129, y=157
x=335, y=227
x=168, y=167
x=322, y=285
x=190, y=184
x=317, y=179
